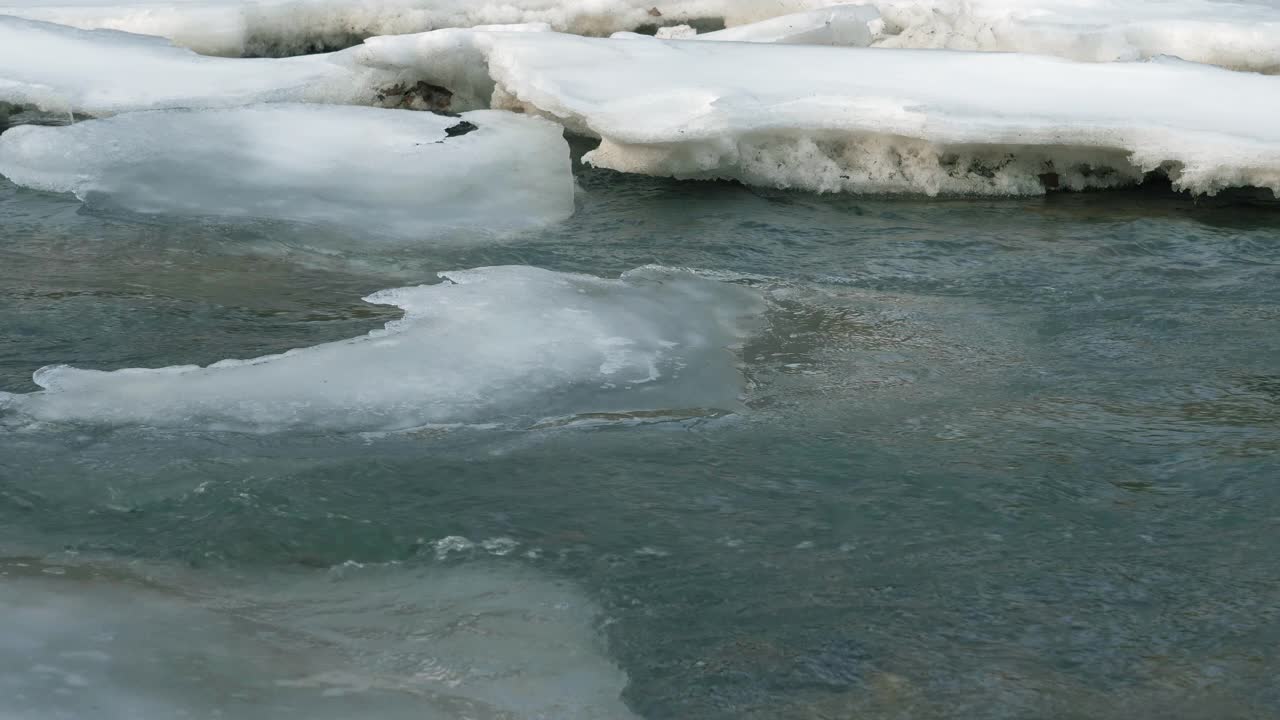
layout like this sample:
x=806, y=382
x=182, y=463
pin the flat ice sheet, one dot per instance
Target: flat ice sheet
x=380, y=171
x=873, y=120
x=512, y=345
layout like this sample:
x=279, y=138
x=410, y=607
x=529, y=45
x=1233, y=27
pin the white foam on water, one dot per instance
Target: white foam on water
x=374, y=170
x=872, y=120
x=502, y=344
x=112, y=641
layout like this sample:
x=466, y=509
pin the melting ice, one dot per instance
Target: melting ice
x=402, y=173
x=501, y=344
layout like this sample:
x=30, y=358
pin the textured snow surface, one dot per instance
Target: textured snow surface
x=1232, y=34
x=501, y=344
x=115, y=641
x=873, y=120
x=375, y=170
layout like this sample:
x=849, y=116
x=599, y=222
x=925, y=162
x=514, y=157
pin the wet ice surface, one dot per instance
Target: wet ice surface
x=996, y=458
x=505, y=344
x=379, y=171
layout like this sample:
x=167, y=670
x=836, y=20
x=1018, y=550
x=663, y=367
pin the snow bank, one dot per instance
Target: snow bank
x=501, y=344
x=398, y=173
x=874, y=120
x=114, y=641
x=1243, y=35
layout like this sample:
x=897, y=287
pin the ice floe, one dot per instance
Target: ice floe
x=116, y=641
x=380, y=171
x=100, y=72
x=871, y=120
x=500, y=344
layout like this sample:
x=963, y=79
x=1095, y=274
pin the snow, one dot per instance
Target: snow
x=501, y=344
x=379, y=171
x=873, y=120
x=1242, y=34
x=133, y=641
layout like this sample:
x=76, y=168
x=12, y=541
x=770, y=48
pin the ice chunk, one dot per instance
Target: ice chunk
x=876, y=120
x=501, y=344
x=53, y=67
x=850, y=25
x=671, y=32
x=108, y=641
x=398, y=173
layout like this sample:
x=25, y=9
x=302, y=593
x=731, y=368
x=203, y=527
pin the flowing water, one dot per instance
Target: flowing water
x=993, y=459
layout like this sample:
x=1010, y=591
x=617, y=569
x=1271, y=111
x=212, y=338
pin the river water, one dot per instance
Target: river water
x=993, y=459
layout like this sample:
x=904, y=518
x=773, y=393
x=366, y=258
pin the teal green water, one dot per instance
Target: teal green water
x=1000, y=459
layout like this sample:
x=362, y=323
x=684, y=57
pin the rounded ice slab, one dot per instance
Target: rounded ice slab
x=508, y=345
x=126, y=642
x=877, y=120
x=395, y=172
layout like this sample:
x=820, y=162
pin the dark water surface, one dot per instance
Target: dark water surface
x=1001, y=459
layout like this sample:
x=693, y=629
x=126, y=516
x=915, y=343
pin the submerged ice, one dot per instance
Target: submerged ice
x=501, y=344
x=401, y=173
x=112, y=641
